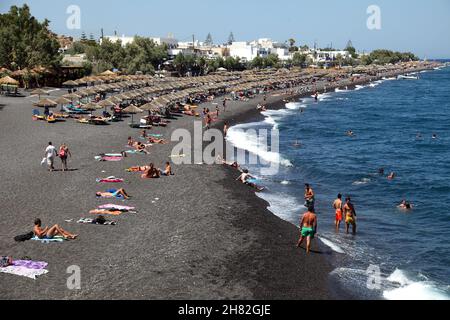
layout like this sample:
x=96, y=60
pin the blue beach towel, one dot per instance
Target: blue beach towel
x=55, y=239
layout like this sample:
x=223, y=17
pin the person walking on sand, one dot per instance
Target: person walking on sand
x=63, y=153
x=224, y=104
x=308, y=229
x=337, y=205
x=350, y=215
x=50, y=155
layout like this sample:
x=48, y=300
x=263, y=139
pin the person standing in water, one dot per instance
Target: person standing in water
x=63, y=153
x=225, y=129
x=308, y=229
x=309, y=197
x=350, y=215
x=337, y=205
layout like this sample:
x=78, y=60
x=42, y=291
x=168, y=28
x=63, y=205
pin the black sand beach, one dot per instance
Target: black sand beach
x=207, y=237
x=198, y=235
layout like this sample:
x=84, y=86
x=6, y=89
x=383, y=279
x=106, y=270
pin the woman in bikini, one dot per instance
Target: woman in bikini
x=350, y=215
x=115, y=194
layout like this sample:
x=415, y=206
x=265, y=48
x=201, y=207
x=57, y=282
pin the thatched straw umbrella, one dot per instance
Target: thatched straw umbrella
x=70, y=83
x=107, y=73
x=72, y=96
x=91, y=106
x=39, y=93
x=132, y=109
x=62, y=101
x=47, y=103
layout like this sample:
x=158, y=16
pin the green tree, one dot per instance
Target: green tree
x=298, y=59
x=25, y=42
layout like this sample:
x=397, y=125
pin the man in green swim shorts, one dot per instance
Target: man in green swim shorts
x=308, y=226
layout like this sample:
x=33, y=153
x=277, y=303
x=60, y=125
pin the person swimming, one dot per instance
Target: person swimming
x=391, y=176
x=405, y=205
x=297, y=143
x=350, y=133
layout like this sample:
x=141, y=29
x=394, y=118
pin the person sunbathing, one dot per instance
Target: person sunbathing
x=50, y=233
x=113, y=194
x=138, y=169
x=246, y=178
x=151, y=173
x=167, y=171
x=156, y=140
x=130, y=142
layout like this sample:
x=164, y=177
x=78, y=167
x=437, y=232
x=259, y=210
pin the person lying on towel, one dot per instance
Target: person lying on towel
x=113, y=193
x=151, y=173
x=138, y=169
x=50, y=233
x=156, y=141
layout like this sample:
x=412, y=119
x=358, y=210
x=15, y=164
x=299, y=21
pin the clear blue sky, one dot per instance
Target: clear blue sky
x=407, y=25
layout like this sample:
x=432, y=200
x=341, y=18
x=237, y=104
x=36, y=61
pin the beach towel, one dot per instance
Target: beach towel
x=37, y=265
x=107, y=158
x=109, y=180
x=106, y=212
x=116, y=207
x=118, y=196
x=92, y=221
x=24, y=272
x=55, y=239
x=135, y=151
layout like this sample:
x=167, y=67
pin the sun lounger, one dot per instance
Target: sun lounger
x=74, y=110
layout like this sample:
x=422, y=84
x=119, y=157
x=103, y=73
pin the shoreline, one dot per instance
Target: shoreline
x=336, y=291
x=207, y=237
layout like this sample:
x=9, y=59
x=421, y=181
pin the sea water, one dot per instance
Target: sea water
x=410, y=249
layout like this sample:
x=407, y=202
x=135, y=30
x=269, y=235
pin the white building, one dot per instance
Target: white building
x=243, y=50
x=170, y=42
x=247, y=51
x=327, y=56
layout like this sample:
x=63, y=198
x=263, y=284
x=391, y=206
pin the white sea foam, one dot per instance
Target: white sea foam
x=332, y=245
x=284, y=206
x=295, y=105
x=413, y=290
x=285, y=182
x=241, y=140
x=362, y=181
x=359, y=87
x=341, y=90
